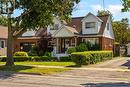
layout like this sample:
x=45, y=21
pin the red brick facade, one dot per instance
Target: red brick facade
x=106, y=43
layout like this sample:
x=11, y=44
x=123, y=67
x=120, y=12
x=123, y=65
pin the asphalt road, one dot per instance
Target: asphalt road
x=101, y=77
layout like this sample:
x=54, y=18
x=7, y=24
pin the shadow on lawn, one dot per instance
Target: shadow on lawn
x=9, y=71
x=106, y=84
x=127, y=64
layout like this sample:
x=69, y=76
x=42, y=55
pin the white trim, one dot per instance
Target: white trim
x=92, y=15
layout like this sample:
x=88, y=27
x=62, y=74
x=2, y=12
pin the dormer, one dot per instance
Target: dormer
x=56, y=25
x=91, y=24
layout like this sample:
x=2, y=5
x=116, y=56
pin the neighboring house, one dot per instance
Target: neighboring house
x=3, y=40
x=89, y=28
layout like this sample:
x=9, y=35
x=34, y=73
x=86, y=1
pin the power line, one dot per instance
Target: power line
x=103, y=4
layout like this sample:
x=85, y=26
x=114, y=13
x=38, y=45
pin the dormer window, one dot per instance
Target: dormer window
x=56, y=26
x=90, y=25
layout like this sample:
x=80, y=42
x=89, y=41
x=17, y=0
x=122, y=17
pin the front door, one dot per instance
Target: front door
x=65, y=43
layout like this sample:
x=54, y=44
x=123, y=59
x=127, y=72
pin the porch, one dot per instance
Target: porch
x=62, y=44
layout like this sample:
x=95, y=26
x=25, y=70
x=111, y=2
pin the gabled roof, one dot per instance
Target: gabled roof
x=3, y=32
x=103, y=25
x=65, y=31
x=92, y=15
x=76, y=22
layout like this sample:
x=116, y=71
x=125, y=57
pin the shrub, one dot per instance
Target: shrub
x=17, y=58
x=90, y=57
x=47, y=54
x=43, y=58
x=21, y=54
x=71, y=50
x=65, y=59
x=82, y=47
x=33, y=51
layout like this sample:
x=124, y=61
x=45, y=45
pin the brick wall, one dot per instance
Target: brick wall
x=106, y=43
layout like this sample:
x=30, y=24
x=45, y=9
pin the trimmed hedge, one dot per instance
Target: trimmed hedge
x=25, y=54
x=17, y=58
x=91, y=57
x=37, y=58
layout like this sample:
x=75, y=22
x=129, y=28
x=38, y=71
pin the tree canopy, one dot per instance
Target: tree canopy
x=121, y=31
x=36, y=14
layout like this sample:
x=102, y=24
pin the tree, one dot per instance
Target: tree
x=104, y=12
x=3, y=21
x=126, y=4
x=121, y=31
x=36, y=14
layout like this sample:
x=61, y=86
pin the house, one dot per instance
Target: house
x=90, y=28
x=3, y=40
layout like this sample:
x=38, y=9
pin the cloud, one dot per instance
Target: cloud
x=115, y=9
x=96, y=7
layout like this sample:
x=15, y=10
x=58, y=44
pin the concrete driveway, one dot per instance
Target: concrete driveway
x=100, y=75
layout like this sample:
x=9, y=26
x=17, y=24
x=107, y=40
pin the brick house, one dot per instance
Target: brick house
x=95, y=29
x=3, y=40
x=91, y=28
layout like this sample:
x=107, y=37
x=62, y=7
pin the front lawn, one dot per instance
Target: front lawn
x=44, y=63
x=29, y=69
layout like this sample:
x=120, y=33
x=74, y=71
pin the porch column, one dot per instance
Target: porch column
x=75, y=41
x=57, y=45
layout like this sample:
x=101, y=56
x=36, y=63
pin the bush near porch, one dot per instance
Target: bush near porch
x=90, y=57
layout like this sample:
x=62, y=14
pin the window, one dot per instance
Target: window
x=91, y=40
x=56, y=26
x=107, y=26
x=2, y=44
x=90, y=25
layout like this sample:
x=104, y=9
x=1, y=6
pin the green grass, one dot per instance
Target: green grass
x=29, y=69
x=44, y=63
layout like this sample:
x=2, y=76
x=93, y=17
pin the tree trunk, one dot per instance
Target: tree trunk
x=10, y=60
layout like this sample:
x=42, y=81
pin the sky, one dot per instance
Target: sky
x=86, y=6
x=114, y=6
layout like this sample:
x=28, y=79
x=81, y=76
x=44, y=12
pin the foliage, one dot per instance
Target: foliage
x=126, y=4
x=3, y=21
x=90, y=57
x=65, y=59
x=81, y=47
x=71, y=50
x=21, y=54
x=121, y=31
x=36, y=14
x=33, y=51
x=17, y=58
x=103, y=13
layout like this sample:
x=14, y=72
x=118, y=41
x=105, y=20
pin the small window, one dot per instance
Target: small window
x=56, y=26
x=2, y=44
x=90, y=25
x=107, y=26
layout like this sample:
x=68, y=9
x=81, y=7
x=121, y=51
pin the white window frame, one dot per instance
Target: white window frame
x=1, y=43
x=91, y=25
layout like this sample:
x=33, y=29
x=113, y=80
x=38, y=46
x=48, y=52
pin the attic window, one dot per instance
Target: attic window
x=90, y=24
x=56, y=26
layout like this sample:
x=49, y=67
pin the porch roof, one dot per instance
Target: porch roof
x=65, y=31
